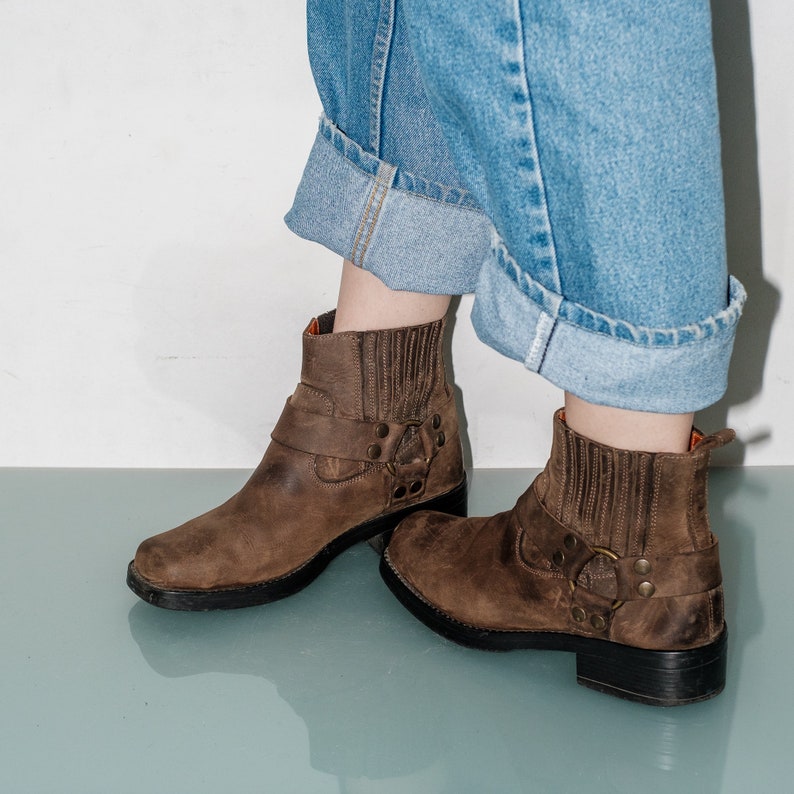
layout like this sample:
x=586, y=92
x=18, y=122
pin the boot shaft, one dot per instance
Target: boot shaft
x=392, y=375
x=631, y=502
x=385, y=401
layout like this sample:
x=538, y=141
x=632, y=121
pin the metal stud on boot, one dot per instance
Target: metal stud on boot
x=369, y=436
x=608, y=555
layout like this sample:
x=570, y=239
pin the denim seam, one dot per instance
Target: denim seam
x=380, y=187
x=709, y=321
x=563, y=310
x=423, y=197
x=380, y=57
x=330, y=134
x=428, y=246
x=540, y=343
x=698, y=332
x=531, y=141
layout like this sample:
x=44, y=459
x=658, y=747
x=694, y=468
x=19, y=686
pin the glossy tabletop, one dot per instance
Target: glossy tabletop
x=339, y=689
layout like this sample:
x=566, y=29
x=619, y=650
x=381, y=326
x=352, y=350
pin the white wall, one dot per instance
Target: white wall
x=151, y=299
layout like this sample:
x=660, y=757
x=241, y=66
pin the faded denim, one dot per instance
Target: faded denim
x=559, y=159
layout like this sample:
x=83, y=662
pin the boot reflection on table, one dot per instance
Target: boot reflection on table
x=386, y=703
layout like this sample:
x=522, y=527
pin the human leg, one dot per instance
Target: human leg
x=626, y=429
x=595, y=134
x=380, y=187
x=589, y=134
x=367, y=304
x=370, y=433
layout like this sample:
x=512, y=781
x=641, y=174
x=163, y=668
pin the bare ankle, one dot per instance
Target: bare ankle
x=367, y=304
x=624, y=429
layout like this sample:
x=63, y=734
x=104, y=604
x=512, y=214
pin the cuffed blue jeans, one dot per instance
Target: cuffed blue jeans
x=558, y=158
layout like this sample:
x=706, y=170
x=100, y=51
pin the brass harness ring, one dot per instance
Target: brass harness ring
x=604, y=552
x=391, y=468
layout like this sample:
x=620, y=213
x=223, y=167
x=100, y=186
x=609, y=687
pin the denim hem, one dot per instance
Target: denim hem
x=413, y=234
x=600, y=359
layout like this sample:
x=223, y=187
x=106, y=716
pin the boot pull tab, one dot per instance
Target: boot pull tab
x=703, y=443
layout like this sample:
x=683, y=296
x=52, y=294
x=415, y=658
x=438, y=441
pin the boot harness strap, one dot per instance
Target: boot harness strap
x=360, y=440
x=637, y=577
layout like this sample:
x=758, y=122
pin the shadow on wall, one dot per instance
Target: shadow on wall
x=732, y=50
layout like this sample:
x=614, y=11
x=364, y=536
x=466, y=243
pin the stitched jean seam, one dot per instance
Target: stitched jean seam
x=403, y=180
x=369, y=219
x=380, y=57
x=530, y=164
x=563, y=310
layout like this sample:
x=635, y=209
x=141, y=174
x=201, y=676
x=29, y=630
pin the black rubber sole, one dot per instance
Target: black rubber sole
x=453, y=502
x=657, y=678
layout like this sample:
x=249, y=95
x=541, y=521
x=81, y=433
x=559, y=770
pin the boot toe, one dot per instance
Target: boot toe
x=427, y=552
x=159, y=566
x=417, y=540
x=181, y=559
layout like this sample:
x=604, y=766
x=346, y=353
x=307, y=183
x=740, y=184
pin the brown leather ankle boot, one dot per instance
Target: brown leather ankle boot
x=608, y=554
x=369, y=436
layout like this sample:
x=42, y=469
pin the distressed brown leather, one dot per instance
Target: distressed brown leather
x=548, y=565
x=370, y=429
